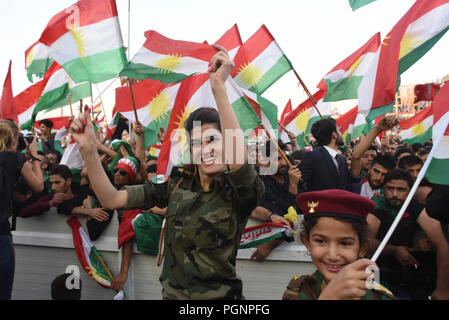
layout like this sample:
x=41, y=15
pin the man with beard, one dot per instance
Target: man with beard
x=324, y=168
x=372, y=185
x=408, y=273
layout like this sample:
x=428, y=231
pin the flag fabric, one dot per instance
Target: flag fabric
x=85, y=39
x=145, y=228
x=37, y=60
x=112, y=125
x=344, y=80
x=260, y=62
x=345, y=123
x=57, y=87
x=26, y=102
x=426, y=92
x=195, y=92
x=356, y=4
x=154, y=103
x=439, y=165
x=231, y=41
x=287, y=110
x=168, y=60
x=299, y=122
x=88, y=255
x=418, y=129
x=263, y=233
x=8, y=108
x=411, y=38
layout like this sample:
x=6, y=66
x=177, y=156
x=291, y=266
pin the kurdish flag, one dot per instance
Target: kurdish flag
x=26, y=102
x=168, y=60
x=145, y=228
x=154, y=103
x=195, y=92
x=263, y=233
x=418, y=129
x=415, y=34
x=88, y=255
x=260, y=62
x=439, y=165
x=343, y=81
x=37, y=60
x=85, y=39
x=57, y=87
x=300, y=121
x=356, y=4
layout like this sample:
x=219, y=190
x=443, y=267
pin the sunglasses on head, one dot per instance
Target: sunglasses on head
x=122, y=172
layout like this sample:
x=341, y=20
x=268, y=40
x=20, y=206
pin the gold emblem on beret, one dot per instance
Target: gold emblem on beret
x=312, y=205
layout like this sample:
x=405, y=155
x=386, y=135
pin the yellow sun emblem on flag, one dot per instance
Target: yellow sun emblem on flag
x=160, y=106
x=408, y=43
x=356, y=65
x=30, y=57
x=418, y=129
x=249, y=75
x=80, y=40
x=302, y=120
x=184, y=116
x=169, y=63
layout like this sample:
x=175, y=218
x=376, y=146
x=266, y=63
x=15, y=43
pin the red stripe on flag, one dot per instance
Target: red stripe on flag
x=303, y=106
x=30, y=96
x=8, y=108
x=346, y=119
x=87, y=11
x=419, y=117
x=231, y=39
x=160, y=44
x=74, y=224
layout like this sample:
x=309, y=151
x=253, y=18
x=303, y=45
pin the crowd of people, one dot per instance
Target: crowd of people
x=349, y=194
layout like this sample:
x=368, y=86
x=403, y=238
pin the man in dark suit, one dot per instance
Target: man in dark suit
x=324, y=168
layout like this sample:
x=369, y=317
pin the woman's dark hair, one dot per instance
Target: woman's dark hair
x=322, y=130
x=361, y=228
x=204, y=115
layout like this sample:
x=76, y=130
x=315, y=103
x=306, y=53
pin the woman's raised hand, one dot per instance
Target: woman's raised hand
x=221, y=66
x=83, y=132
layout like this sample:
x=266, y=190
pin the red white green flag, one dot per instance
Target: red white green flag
x=58, y=86
x=154, y=103
x=439, y=165
x=288, y=109
x=88, y=255
x=26, y=102
x=231, y=41
x=345, y=123
x=263, y=233
x=260, y=62
x=168, y=60
x=418, y=129
x=37, y=60
x=411, y=38
x=85, y=39
x=344, y=80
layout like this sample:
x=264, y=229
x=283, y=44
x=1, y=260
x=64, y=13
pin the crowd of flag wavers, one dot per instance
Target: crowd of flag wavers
x=193, y=150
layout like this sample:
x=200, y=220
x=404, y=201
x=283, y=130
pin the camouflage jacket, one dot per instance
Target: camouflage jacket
x=310, y=287
x=203, y=231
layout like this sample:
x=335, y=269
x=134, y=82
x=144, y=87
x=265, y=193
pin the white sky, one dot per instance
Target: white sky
x=314, y=34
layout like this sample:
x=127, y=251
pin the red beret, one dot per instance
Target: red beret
x=334, y=203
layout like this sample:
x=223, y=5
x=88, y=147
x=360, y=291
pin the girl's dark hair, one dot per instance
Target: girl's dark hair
x=361, y=228
x=204, y=115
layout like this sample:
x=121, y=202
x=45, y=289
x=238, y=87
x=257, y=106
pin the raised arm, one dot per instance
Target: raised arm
x=83, y=132
x=221, y=67
x=385, y=124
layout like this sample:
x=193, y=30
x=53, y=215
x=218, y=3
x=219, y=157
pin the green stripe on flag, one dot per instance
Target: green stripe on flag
x=435, y=170
x=422, y=138
x=356, y=4
x=281, y=67
x=142, y=71
x=97, y=67
x=38, y=68
x=93, y=257
x=343, y=89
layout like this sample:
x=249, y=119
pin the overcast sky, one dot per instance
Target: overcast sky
x=314, y=34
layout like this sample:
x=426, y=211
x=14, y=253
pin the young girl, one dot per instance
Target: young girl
x=335, y=235
x=207, y=211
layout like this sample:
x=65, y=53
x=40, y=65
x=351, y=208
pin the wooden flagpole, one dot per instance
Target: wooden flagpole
x=69, y=97
x=132, y=98
x=283, y=155
x=307, y=92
